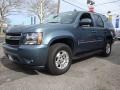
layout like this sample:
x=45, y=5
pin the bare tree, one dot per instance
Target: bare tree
x=7, y=8
x=41, y=8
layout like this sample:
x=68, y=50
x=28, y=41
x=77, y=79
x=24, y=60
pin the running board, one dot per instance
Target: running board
x=87, y=54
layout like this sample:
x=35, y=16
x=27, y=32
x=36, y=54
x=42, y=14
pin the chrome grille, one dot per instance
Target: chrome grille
x=13, y=38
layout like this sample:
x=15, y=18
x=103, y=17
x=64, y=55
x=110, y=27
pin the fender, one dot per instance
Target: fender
x=109, y=36
x=50, y=37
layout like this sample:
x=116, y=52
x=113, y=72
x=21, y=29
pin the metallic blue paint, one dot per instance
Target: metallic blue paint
x=55, y=31
x=37, y=53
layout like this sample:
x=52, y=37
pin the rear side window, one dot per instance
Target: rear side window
x=105, y=19
x=98, y=21
x=107, y=23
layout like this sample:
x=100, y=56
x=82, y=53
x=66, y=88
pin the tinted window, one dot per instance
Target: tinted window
x=98, y=21
x=104, y=18
x=88, y=17
x=63, y=18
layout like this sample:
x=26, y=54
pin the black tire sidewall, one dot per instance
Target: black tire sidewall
x=52, y=54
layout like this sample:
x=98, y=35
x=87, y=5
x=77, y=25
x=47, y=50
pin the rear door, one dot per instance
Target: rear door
x=98, y=32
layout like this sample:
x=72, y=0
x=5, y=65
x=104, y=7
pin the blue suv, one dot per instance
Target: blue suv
x=59, y=40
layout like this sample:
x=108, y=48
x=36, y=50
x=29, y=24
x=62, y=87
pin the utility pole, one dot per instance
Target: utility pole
x=41, y=11
x=58, y=7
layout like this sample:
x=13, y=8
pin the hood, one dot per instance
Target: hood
x=38, y=28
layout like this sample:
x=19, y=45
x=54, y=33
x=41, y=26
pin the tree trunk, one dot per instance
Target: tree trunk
x=40, y=19
x=1, y=28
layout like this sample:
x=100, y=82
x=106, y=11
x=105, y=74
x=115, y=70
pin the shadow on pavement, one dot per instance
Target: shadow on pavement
x=29, y=71
x=18, y=68
x=82, y=59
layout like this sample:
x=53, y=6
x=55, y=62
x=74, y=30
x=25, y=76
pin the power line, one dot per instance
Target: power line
x=78, y=1
x=107, y=2
x=115, y=1
x=73, y=4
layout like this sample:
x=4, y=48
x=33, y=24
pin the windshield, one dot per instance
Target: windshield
x=63, y=18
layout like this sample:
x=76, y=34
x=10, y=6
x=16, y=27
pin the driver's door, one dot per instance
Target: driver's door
x=85, y=36
x=86, y=39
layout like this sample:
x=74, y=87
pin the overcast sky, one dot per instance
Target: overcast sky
x=100, y=7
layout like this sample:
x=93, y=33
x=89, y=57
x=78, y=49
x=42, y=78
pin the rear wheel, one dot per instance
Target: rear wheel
x=118, y=38
x=107, y=49
x=59, y=60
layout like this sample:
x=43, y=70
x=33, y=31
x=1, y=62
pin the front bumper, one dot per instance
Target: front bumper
x=34, y=55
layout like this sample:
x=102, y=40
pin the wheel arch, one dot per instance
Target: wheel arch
x=66, y=40
x=109, y=38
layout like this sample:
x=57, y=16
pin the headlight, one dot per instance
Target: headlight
x=32, y=38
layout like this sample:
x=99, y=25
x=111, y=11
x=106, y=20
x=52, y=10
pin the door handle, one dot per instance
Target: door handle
x=94, y=31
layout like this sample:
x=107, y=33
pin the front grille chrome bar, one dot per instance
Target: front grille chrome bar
x=13, y=37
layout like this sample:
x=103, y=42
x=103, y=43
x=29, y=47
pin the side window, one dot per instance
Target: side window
x=98, y=21
x=86, y=20
x=105, y=19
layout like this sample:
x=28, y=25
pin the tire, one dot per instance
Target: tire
x=107, y=49
x=57, y=65
x=119, y=39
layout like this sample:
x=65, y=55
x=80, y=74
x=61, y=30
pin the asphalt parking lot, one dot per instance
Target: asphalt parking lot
x=92, y=73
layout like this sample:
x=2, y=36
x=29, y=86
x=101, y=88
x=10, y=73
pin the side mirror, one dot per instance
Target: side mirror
x=85, y=22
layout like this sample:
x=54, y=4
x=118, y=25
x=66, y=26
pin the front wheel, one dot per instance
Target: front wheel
x=59, y=60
